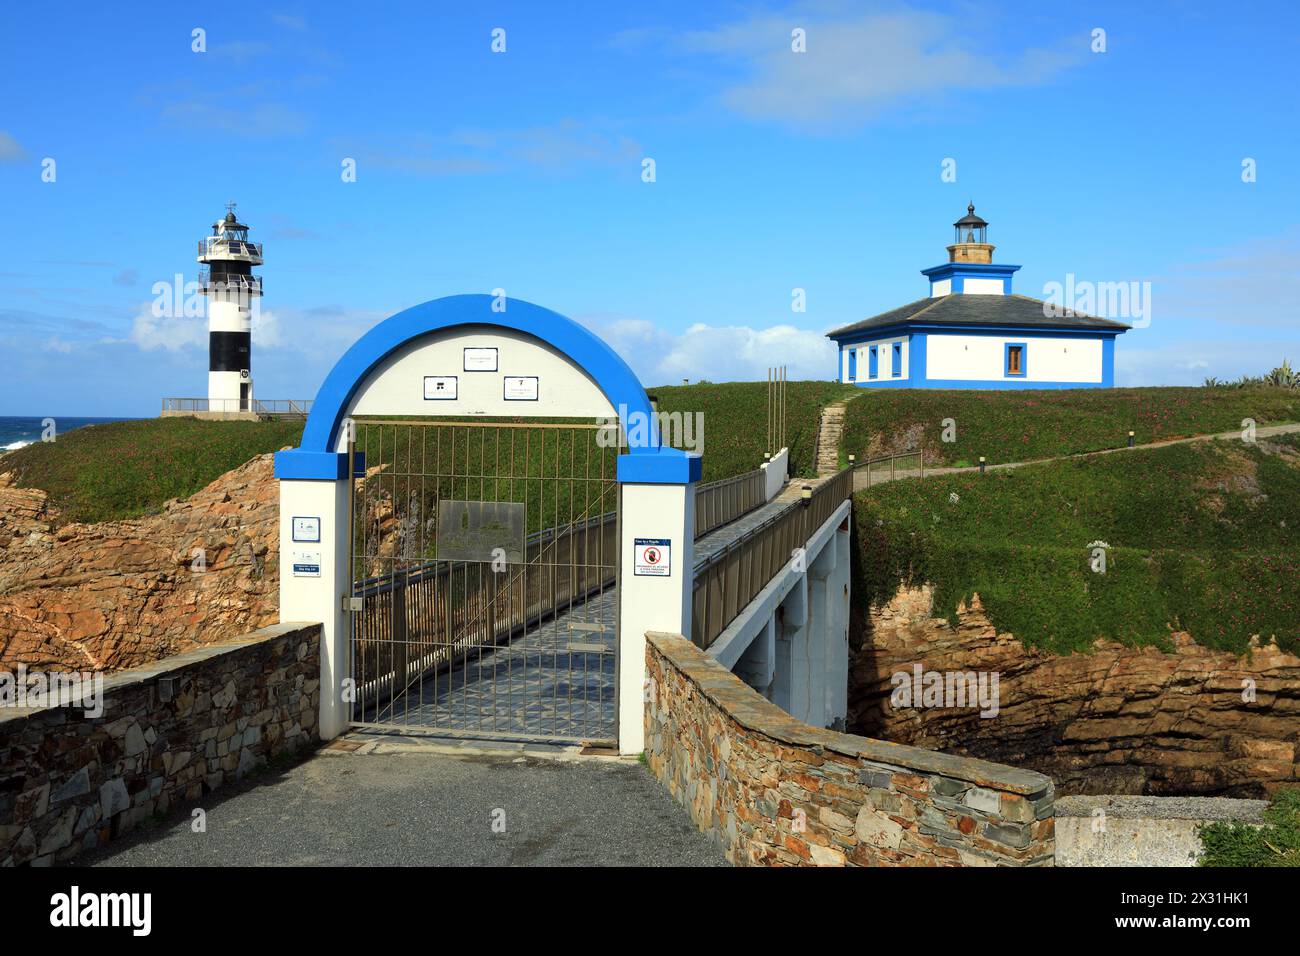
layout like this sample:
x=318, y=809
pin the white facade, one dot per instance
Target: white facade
x=884, y=360
x=983, y=358
x=976, y=286
x=397, y=386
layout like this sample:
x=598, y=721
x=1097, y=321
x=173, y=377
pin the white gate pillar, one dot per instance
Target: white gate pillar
x=657, y=515
x=314, y=575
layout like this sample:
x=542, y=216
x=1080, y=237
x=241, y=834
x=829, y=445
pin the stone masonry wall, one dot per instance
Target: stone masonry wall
x=69, y=782
x=776, y=792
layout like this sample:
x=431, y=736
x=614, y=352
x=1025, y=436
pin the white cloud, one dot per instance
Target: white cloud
x=151, y=332
x=1190, y=362
x=857, y=67
x=1252, y=283
x=728, y=353
x=561, y=146
x=245, y=119
x=289, y=21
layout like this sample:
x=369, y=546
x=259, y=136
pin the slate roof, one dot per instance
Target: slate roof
x=976, y=310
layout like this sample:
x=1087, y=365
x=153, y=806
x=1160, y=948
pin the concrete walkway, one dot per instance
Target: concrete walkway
x=715, y=541
x=877, y=478
x=555, y=680
x=407, y=802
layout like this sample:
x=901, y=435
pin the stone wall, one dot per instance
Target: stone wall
x=775, y=792
x=170, y=733
x=1115, y=720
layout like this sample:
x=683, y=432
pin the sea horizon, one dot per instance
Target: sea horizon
x=18, y=431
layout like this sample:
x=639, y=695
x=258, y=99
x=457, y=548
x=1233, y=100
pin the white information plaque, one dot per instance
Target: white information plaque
x=521, y=388
x=306, y=529
x=652, y=557
x=481, y=359
x=306, y=564
x=439, y=388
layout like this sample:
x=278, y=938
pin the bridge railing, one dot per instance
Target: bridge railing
x=733, y=577
x=721, y=502
x=267, y=408
x=909, y=464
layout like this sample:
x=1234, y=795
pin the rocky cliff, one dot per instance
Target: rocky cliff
x=123, y=593
x=1116, y=720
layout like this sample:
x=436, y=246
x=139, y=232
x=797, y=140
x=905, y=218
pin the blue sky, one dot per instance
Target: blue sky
x=523, y=171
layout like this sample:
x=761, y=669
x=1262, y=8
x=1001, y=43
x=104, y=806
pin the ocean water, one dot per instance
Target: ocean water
x=16, y=431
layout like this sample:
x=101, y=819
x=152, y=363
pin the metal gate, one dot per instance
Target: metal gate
x=485, y=560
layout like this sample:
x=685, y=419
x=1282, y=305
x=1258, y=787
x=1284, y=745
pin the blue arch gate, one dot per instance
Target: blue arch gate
x=484, y=558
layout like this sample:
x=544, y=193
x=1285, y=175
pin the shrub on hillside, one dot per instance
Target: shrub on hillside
x=1277, y=843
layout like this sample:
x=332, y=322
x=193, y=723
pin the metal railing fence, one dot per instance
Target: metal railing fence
x=730, y=579
x=721, y=502
x=906, y=465
x=269, y=408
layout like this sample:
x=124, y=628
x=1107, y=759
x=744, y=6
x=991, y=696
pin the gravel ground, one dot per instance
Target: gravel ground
x=412, y=804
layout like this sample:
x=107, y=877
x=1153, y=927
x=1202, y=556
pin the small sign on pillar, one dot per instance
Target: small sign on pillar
x=652, y=557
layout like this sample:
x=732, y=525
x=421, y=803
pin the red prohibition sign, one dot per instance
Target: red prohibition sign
x=651, y=555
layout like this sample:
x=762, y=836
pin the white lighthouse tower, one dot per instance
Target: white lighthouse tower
x=227, y=280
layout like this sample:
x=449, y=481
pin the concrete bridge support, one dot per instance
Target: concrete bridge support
x=791, y=644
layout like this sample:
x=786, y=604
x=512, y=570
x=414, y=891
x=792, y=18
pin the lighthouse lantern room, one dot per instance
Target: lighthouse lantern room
x=227, y=280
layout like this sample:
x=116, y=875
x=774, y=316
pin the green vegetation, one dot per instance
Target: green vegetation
x=1284, y=376
x=1202, y=537
x=735, y=421
x=1014, y=425
x=560, y=474
x=126, y=469
x=1277, y=843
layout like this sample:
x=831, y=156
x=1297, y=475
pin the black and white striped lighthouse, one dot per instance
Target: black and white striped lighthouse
x=227, y=280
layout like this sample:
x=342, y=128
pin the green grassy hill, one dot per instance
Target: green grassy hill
x=1015, y=425
x=735, y=421
x=1203, y=537
x=126, y=469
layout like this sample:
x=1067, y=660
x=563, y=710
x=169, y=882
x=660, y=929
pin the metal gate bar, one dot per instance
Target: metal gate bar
x=522, y=648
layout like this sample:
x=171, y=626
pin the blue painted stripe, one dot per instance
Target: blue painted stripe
x=978, y=384
x=585, y=349
x=668, y=466
x=974, y=268
x=916, y=357
x=299, y=465
x=1053, y=332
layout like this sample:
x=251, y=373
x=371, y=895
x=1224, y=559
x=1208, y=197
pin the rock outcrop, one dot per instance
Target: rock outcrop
x=1115, y=720
x=118, y=594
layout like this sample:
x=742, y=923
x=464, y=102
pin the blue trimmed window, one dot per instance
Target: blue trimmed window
x=853, y=364
x=872, y=363
x=898, y=360
x=1014, y=359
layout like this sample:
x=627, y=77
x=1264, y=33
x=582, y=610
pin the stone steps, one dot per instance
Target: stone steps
x=828, y=438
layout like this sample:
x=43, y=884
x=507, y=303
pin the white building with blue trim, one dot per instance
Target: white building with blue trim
x=972, y=331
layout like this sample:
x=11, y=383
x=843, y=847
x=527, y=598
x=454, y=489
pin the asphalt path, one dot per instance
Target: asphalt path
x=404, y=804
